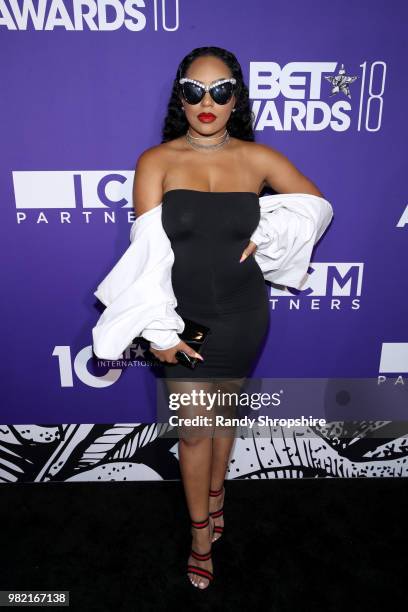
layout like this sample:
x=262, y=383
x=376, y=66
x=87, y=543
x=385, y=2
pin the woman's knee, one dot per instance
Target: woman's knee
x=195, y=438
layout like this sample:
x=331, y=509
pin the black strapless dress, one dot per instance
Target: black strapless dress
x=208, y=232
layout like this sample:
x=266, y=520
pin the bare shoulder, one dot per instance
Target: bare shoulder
x=148, y=178
x=259, y=153
x=263, y=153
x=279, y=172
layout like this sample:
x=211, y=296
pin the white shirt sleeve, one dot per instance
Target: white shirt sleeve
x=138, y=293
x=290, y=225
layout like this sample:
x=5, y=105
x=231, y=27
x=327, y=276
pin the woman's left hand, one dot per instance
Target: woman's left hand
x=251, y=248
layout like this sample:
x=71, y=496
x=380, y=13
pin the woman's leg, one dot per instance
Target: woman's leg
x=195, y=452
x=222, y=442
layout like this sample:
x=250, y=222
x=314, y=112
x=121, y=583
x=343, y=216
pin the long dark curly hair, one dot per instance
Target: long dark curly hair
x=240, y=122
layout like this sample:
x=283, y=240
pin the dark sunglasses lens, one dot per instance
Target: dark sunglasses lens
x=221, y=94
x=192, y=93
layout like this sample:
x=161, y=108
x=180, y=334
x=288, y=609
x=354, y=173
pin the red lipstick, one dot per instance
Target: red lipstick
x=206, y=117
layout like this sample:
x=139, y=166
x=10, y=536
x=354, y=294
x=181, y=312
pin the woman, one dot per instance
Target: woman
x=208, y=172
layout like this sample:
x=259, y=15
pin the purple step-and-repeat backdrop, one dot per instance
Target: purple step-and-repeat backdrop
x=85, y=87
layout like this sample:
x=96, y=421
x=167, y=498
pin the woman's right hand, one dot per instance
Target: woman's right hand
x=169, y=355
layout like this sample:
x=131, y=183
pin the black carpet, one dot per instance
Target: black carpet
x=289, y=545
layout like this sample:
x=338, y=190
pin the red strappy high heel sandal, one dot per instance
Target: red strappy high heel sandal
x=195, y=569
x=217, y=528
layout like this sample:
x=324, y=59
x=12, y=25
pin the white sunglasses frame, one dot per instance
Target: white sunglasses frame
x=207, y=87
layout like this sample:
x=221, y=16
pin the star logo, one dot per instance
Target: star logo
x=340, y=82
x=138, y=351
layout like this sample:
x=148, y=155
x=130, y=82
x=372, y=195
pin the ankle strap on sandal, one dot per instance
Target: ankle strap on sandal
x=217, y=513
x=214, y=493
x=201, y=556
x=200, y=524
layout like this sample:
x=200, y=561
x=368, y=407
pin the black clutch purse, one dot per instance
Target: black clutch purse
x=195, y=335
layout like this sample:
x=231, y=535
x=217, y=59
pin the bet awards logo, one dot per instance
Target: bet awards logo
x=340, y=82
x=91, y=15
x=300, y=96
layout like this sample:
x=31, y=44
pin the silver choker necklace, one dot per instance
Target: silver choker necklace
x=190, y=139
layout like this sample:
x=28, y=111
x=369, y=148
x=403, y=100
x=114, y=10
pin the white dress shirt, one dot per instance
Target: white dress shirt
x=138, y=292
